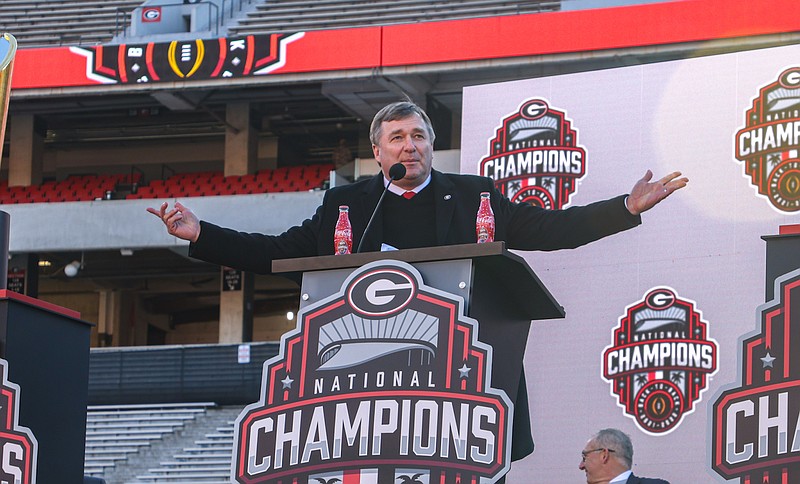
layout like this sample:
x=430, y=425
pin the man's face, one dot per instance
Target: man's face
x=593, y=463
x=405, y=141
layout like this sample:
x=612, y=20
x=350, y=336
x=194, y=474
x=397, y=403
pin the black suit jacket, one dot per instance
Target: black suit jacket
x=456, y=199
x=644, y=480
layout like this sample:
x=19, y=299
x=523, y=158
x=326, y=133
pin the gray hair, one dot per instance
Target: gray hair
x=618, y=441
x=394, y=112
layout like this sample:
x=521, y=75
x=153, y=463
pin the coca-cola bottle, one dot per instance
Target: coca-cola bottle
x=343, y=234
x=484, y=224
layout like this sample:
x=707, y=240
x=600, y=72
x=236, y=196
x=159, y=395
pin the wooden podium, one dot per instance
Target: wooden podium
x=499, y=290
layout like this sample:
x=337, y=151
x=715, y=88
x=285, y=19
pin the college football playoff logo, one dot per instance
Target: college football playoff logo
x=19, y=446
x=768, y=144
x=182, y=60
x=659, y=361
x=756, y=422
x=382, y=382
x=535, y=157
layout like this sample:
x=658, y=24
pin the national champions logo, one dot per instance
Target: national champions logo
x=18, y=445
x=535, y=157
x=768, y=144
x=383, y=382
x=659, y=361
x=756, y=422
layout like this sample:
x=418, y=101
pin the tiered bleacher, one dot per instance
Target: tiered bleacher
x=190, y=443
x=206, y=460
x=303, y=15
x=116, y=433
x=283, y=179
x=73, y=188
x=64, y=22
x=37, y=23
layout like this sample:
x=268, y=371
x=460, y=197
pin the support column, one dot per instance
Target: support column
x=236, y=307
x=108, y=316
x=241, y=140
x=26, y=151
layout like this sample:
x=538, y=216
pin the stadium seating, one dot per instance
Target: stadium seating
x=303, y=15
x=203, y=184
x=116, y=432
x=195, y=184
x=37, y=23
x=72, y=189
x=206, y=460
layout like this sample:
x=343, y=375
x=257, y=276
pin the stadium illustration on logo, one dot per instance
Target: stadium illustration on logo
x=253, y=55
x=769, y=143
x=19, y=446
x=534, y=156
x=659, y=361
x=756, y=421
x=384, y=381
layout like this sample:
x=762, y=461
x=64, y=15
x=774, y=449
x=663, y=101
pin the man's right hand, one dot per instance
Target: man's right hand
x=180, y=221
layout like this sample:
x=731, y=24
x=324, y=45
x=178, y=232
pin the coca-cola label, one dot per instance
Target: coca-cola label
x=342, y=245
x=484, y=223
x=485, y=227
x=343, y=234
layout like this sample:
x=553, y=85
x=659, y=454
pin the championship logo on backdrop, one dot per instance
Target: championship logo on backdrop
x=384, y=382
x=756, y=423
x=659, y=361
x=768, y=144
x=535, y=157
x=19, y=446
x=183, y=60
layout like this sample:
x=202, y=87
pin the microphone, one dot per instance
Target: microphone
x=396, y=172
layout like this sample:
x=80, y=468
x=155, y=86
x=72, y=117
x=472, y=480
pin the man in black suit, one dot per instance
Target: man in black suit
x=442, y=211
x=608, y=458
x=443, y=215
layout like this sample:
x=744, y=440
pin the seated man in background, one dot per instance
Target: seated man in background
x=608, y=458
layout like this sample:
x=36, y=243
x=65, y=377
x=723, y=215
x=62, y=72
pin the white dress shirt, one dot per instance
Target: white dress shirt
x=621, y=478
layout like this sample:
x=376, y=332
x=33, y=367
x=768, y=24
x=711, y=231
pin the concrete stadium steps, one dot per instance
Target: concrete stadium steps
x=37, y=23
x=116, y=433
x=303, y=15
x=206, y=460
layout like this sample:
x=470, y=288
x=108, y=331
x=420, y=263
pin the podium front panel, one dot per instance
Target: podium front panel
x=453, y=276
x=384, y=377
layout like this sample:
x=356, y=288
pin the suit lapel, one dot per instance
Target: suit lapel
x=445, y=201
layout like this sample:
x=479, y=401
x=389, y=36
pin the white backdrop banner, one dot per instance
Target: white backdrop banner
x=666, y=303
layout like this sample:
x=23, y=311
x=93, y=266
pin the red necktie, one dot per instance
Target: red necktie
x=409, y=195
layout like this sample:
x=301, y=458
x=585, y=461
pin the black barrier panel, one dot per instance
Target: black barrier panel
x=176, y=374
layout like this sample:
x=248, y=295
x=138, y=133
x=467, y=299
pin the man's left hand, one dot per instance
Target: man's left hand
x=646, y=194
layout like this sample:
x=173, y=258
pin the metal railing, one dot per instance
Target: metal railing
x=172, y=374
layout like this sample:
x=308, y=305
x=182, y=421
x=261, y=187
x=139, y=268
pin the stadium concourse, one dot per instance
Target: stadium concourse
x=235, y=108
